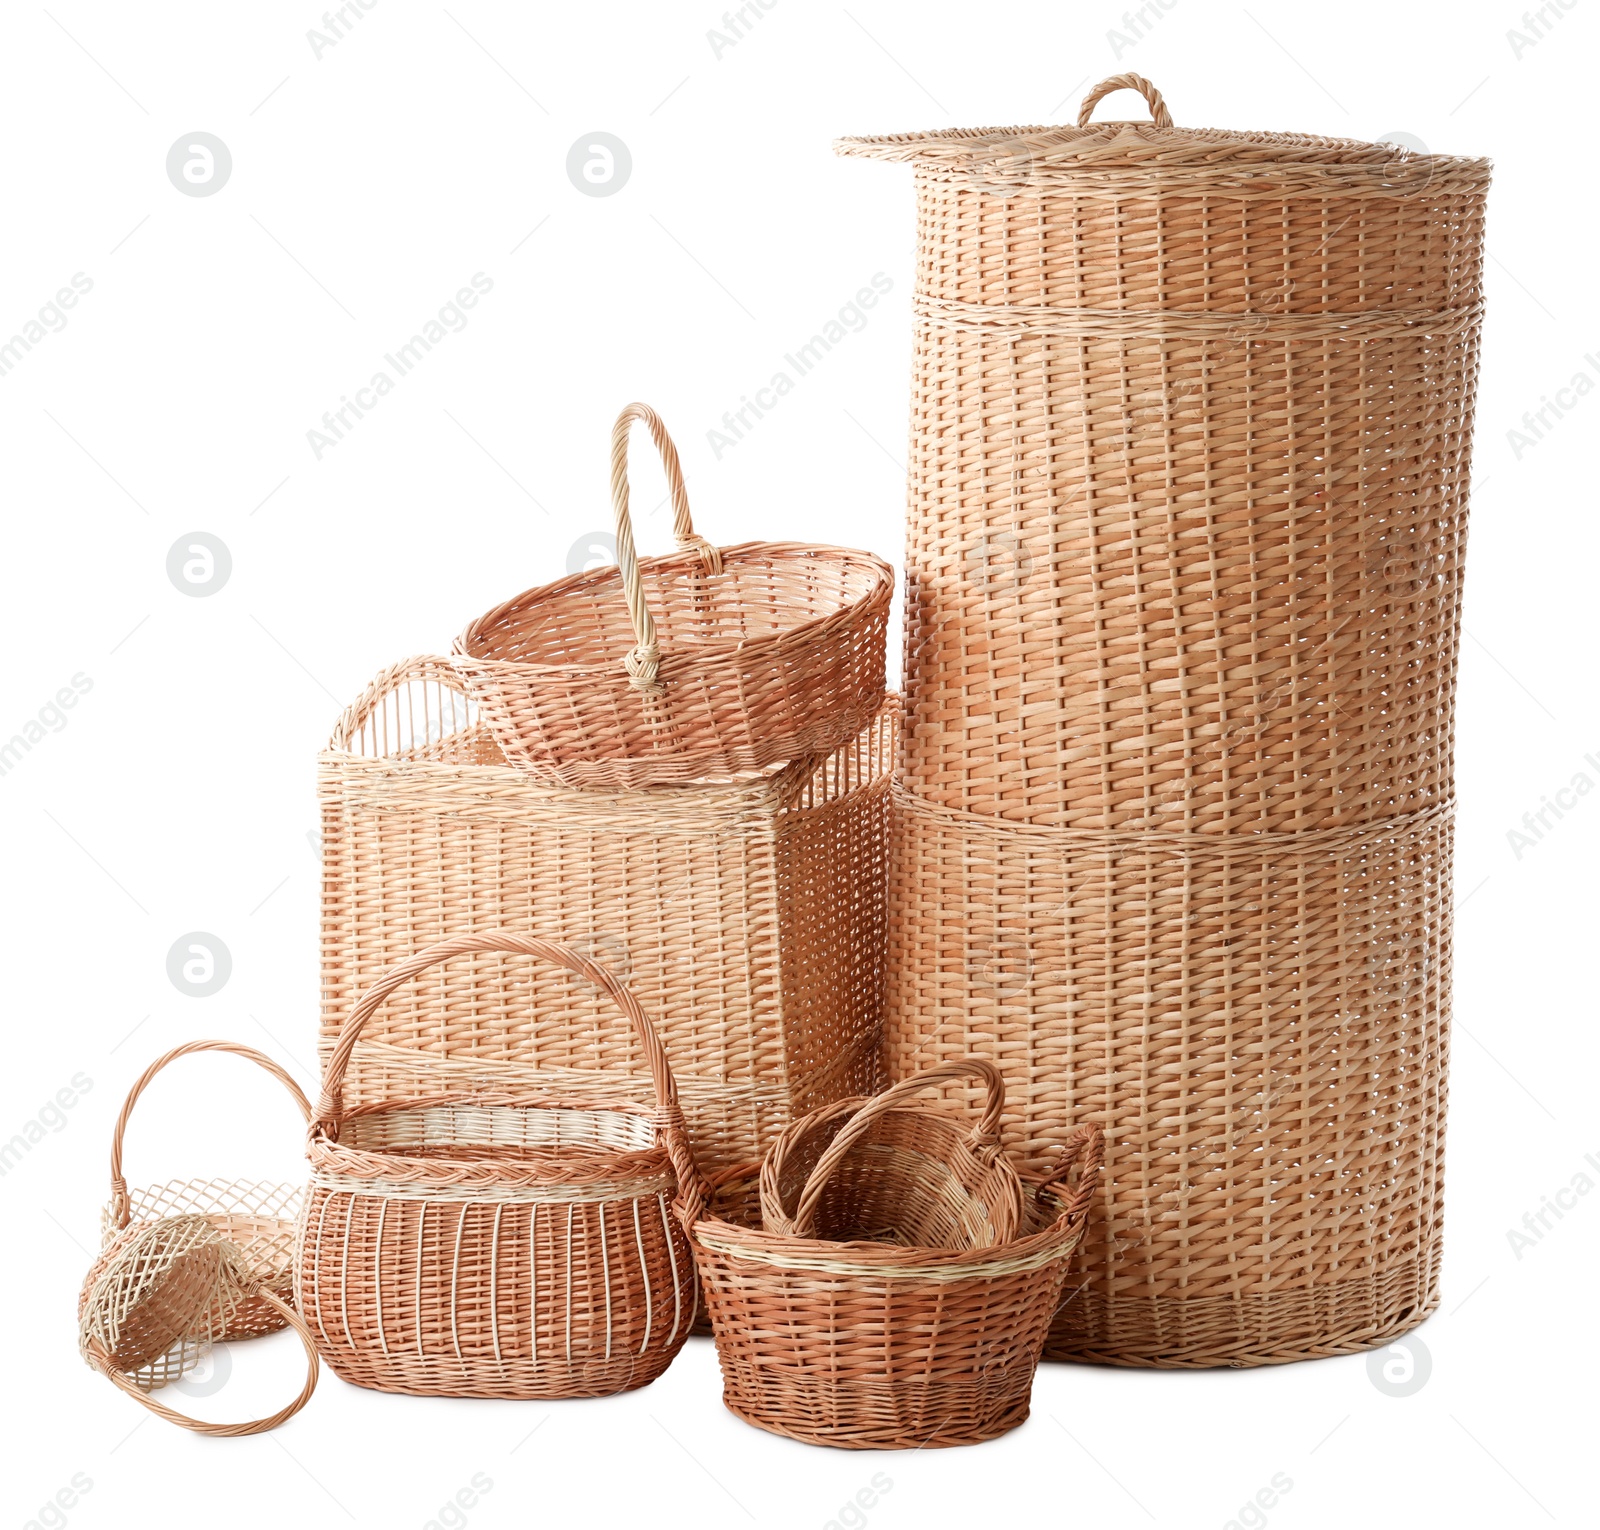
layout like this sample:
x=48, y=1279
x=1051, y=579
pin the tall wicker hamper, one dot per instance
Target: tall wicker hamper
x=1190, y=432
x=748, y=917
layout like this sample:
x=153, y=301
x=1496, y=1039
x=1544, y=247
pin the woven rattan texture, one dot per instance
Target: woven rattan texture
x=498, y=1246
x=1190, y=425
x=1260, y=1026
x=854, y=1337
x=749, y=917
x=703, y=663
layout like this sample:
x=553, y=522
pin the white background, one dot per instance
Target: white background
x=368, y=185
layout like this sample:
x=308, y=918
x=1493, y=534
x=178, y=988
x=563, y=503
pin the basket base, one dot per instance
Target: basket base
x=1313, y=1323
x=872, y=1415
x=523, y=1380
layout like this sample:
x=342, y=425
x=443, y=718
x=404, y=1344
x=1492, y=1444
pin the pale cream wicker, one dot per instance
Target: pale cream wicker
x=702, y=663
x=479, y=1244
x=748, y=916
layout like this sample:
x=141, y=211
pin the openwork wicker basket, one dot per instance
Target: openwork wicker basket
x=1260, y=1025
x=477, y=1244
x=701, y=663
x=1191, y=421
x=187, y=1265
x=749, y=917
x=895, y=1290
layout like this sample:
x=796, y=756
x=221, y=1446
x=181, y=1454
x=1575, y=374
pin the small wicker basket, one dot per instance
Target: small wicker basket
x=485, y=1245
x=702, y=663
x=895, y=1289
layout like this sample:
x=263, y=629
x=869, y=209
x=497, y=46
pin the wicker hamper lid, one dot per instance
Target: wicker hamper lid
x=1128, y=157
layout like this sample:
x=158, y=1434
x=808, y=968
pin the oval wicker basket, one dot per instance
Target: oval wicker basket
x=895, y=1291
x=702, y=663
x=485, y=1245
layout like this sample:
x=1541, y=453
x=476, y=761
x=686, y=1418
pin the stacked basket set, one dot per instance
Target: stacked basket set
x=1090, y=1001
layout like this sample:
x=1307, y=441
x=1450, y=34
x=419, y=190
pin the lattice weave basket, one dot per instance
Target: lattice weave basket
x=479, y=1244
x=748, y=916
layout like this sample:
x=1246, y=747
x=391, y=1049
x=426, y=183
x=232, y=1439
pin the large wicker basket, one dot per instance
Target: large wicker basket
x=703, y=663
x=475, y=1244
x=748, y=916
x=1258, y=1023
x=880, y=1282
x=1191, y=419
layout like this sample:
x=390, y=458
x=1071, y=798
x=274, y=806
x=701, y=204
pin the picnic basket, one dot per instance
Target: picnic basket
x=705, y=662
x=495, y=1244
x=895, y=1289
x=1191, y=424
x=748, y=916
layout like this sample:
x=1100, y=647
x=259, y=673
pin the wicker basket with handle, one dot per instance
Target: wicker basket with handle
x=895, y=1291
x=1191, y=421
x=749, y=917
x=478, y=1244
x=706, y=662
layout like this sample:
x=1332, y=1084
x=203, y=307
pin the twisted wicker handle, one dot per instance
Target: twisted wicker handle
x=120, y=1209
x=669, y=1118
x=1159, y=115
x=1083, y=1154
x=102, y=1361
x=645, y=659
x=986, y=1134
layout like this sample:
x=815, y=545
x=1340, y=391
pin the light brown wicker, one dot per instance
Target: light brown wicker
x=190, y=1264
x=701, y=663
x=749, y=917
x=882, y=1304
x=257, y=1219
x=1260, y=1025
x=1191, y=421
x=478, y=1244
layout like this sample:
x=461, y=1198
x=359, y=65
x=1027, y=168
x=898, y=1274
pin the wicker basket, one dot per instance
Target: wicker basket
x=749, y=917
x=486, y=1245
x=1260, y=1025
x=187, y=1265
x=257, y=1219
x=703, y=663
x=1191, y=420
x=896, y=1290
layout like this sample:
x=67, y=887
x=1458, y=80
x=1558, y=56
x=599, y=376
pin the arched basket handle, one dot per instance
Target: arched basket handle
x=645, y=660
x=986, y=1134
x=1159, y=115
x=102, y=1362
x=120, y=1207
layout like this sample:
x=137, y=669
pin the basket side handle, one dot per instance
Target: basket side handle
x=1159, y=115
x=669, y=1117
x=986, y=1134
x=102, y=1362
x=645, y=659
x=1077, y=1176
x=120, y=1209
x=356, y=717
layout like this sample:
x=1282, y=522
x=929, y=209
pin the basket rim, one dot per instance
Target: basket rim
x=803, y=554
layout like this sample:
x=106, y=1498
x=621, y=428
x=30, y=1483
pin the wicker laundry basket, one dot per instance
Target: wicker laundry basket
x=1258, y=1023
x=1191, y=419
x=881, y=1282
x=749, y=916
x=476, y=1244
x=703, y=663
